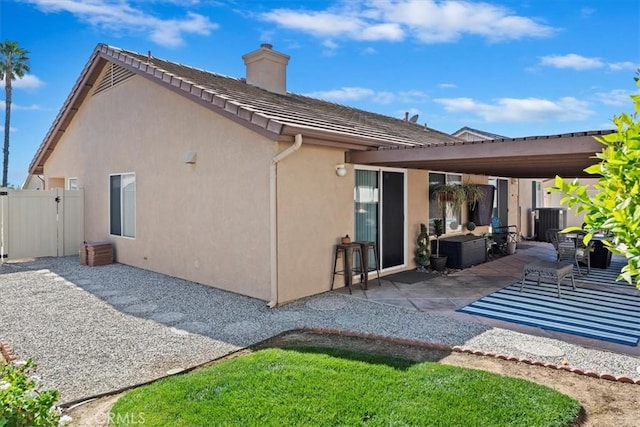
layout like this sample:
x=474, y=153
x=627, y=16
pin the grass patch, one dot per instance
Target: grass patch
x=332, y=387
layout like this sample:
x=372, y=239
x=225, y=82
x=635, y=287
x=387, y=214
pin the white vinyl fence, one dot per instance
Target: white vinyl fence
x=40, y=223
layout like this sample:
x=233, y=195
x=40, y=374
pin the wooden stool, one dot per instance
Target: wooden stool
x=346, y=251
x=550, y=270
x=366, y=247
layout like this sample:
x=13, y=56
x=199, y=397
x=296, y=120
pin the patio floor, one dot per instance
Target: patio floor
x=445, y=294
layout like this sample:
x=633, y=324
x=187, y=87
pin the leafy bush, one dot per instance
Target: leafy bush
x=615, y=209
x=21, y=404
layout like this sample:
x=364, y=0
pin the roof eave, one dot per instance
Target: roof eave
x=531, y=157
x=78, y=93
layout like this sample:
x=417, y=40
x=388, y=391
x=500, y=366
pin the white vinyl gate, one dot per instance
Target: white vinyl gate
x=39, y=223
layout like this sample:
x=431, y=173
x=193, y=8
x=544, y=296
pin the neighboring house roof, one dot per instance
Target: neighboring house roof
x=276, y=116
x=482, y=135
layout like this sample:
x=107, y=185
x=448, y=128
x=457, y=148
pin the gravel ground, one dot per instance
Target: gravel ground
x=97, y=329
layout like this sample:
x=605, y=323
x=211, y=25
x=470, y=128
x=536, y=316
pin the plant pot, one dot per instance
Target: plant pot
x=438, y=263
x=422, y=261
x=511, y=248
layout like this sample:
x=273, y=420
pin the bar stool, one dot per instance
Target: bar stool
x=365, y=248
x=346, y=251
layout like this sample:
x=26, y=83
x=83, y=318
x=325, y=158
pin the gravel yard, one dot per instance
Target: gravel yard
x=97, y=329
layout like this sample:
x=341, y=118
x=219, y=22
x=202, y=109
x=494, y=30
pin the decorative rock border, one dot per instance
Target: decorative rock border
x=7, y=352
x=460, y=349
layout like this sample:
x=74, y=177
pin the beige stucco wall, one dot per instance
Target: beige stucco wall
x=207, y=222
x=315, y=208
x=417, y=210
x=514, y=200
x=552, y=199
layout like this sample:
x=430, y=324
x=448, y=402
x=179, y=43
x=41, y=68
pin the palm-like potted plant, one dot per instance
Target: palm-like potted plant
x=449, y=196
x=454, y=196
x=438, y=262
x=472, y=194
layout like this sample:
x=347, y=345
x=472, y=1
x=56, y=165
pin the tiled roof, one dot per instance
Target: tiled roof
x=295, y=110
x=271, y=113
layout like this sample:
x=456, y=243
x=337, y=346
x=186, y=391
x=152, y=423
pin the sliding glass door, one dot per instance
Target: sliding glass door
x=379, y=198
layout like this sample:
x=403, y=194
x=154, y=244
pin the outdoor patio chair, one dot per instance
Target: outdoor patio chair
x=570, y=247
x=552, y=237
x=502, y=235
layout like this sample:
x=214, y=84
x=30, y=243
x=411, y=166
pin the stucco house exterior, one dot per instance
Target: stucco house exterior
x=535, y=192
x=237, y=183
x=529, y=194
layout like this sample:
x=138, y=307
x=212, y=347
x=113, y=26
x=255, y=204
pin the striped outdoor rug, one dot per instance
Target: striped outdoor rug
x=599, y=314
x=601, y=276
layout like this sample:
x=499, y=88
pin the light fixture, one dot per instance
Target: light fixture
x=341, y=170
x=190, y=157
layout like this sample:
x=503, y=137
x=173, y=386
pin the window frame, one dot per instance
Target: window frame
x=75, y=183
x=123, y=206
x=448, y=179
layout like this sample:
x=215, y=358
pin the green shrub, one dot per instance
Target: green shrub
x=21, y=403
x=615, y=209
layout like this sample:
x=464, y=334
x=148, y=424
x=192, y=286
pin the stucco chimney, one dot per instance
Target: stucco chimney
x=267, y=69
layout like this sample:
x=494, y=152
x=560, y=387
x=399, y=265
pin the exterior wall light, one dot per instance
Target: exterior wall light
x=341, y=170
x=190, y=158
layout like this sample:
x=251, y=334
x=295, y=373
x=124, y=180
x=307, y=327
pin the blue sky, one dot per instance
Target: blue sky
x=514, y=68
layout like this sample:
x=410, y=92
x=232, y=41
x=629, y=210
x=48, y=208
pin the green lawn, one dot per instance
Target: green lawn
x=330, y=387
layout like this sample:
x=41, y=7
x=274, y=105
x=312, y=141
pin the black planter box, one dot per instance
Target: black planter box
x=462, y=251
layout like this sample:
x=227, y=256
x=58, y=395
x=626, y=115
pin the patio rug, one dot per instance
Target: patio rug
x=599, y=314
x=601, y=276
x=410, y=277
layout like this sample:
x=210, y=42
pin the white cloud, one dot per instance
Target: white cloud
x=587, y=12
x=571, y=60
x=615, y=97
x=351, y=94
x=620, y=66
x=521, y=109
x=436, y=22
x=579, y=62
x=427, y=21
x=447, y=85
x=28, y=81
x=369, y=51
x=120, y=16
x=344, y=94
x=18, y=107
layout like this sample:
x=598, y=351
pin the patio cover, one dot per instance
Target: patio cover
x=566, y=155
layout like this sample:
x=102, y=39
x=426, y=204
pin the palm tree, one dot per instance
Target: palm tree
x=14, y=63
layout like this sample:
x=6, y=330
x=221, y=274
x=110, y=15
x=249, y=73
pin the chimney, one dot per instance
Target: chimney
x=267, y=69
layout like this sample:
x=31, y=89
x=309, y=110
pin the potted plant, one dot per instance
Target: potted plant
x=453, y=196
x=423, y=250
x=449, y=196
x=472, y=194
x=438, y=262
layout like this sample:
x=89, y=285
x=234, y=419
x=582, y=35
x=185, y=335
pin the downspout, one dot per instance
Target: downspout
x=273, y=206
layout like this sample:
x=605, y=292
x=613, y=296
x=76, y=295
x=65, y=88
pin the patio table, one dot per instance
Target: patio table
x=549, y=270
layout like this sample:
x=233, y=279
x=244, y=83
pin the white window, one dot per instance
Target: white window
x=122, y=204
x=452, y=219
x=72, y=184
